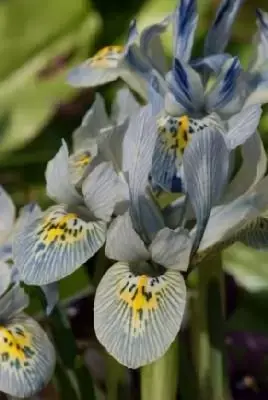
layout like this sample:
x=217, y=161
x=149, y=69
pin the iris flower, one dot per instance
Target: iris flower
x=27, y=355
x=212, y=90
x=89, y=186
x=140, y=301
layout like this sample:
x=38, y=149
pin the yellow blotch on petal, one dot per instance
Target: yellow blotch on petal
x=103, y=56
x=141, y=295
x=174, y=132
x=15, y=346
x=66, y=228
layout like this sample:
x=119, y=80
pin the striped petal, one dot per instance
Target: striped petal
x=105, y=66
x=172, y=248
x=253, y=168
x=133, y=55
x=5, y=277
x=144, y=212
x=212, y=63
x=155, y=95
x=220, y=32
x=186, y=86
x=103, y=189
x=173, y=136
x=137, y=317
x=27, y=357
x=58, y=180
x=55, y=245
x=7, y=214
x=227, y=220
x=227, y=95
x=242, y=126
x=206, y=167
x=186, y=19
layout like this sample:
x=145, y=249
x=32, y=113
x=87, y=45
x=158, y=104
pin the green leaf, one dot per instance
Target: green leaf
x=247, y=266
x=29, y=100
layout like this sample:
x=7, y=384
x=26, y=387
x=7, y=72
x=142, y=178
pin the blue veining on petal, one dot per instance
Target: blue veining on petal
x=225, y=87
x=219, y=34
x=185, y=25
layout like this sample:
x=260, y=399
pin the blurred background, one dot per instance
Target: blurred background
x=39, y=42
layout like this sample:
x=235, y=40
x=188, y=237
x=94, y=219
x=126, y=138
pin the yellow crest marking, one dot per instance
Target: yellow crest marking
x=174, y=132
x=83, y=160
x=15, y=346
x=101, y=58
x=141, y=295
x=66, y=228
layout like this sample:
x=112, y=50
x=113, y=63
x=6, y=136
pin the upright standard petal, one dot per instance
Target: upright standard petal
x=55, y=245
x=132, y=53
x=206, y=165
x=186, y=86
x=58, y=181
x=123, y=243
x=145, y=214
x=260, y=42
x=253, y=168
x=137, y=317
x=220, y=32
x=227, y=95
x=27, y=357
x=103, y=189
x=7, y=214
x=186, y=19
x=172, y=248
x=94, y=120
x=151, y=46
x=242, y=126
x=124, y=106
x=105, y=66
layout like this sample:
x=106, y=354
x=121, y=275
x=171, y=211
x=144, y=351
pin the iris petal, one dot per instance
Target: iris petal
x=220, y=32
x=55, y=245
x=102, y=68
x=186, y=19
x=186, y=86
x=27, y=357
x=206, y=166
x=137, y=317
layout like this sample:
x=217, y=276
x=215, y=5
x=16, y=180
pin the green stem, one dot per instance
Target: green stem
x=115, y=378
x=159, y=380
x=211, y=368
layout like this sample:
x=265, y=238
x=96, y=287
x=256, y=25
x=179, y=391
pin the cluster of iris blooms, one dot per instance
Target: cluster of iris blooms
x=106, y=190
